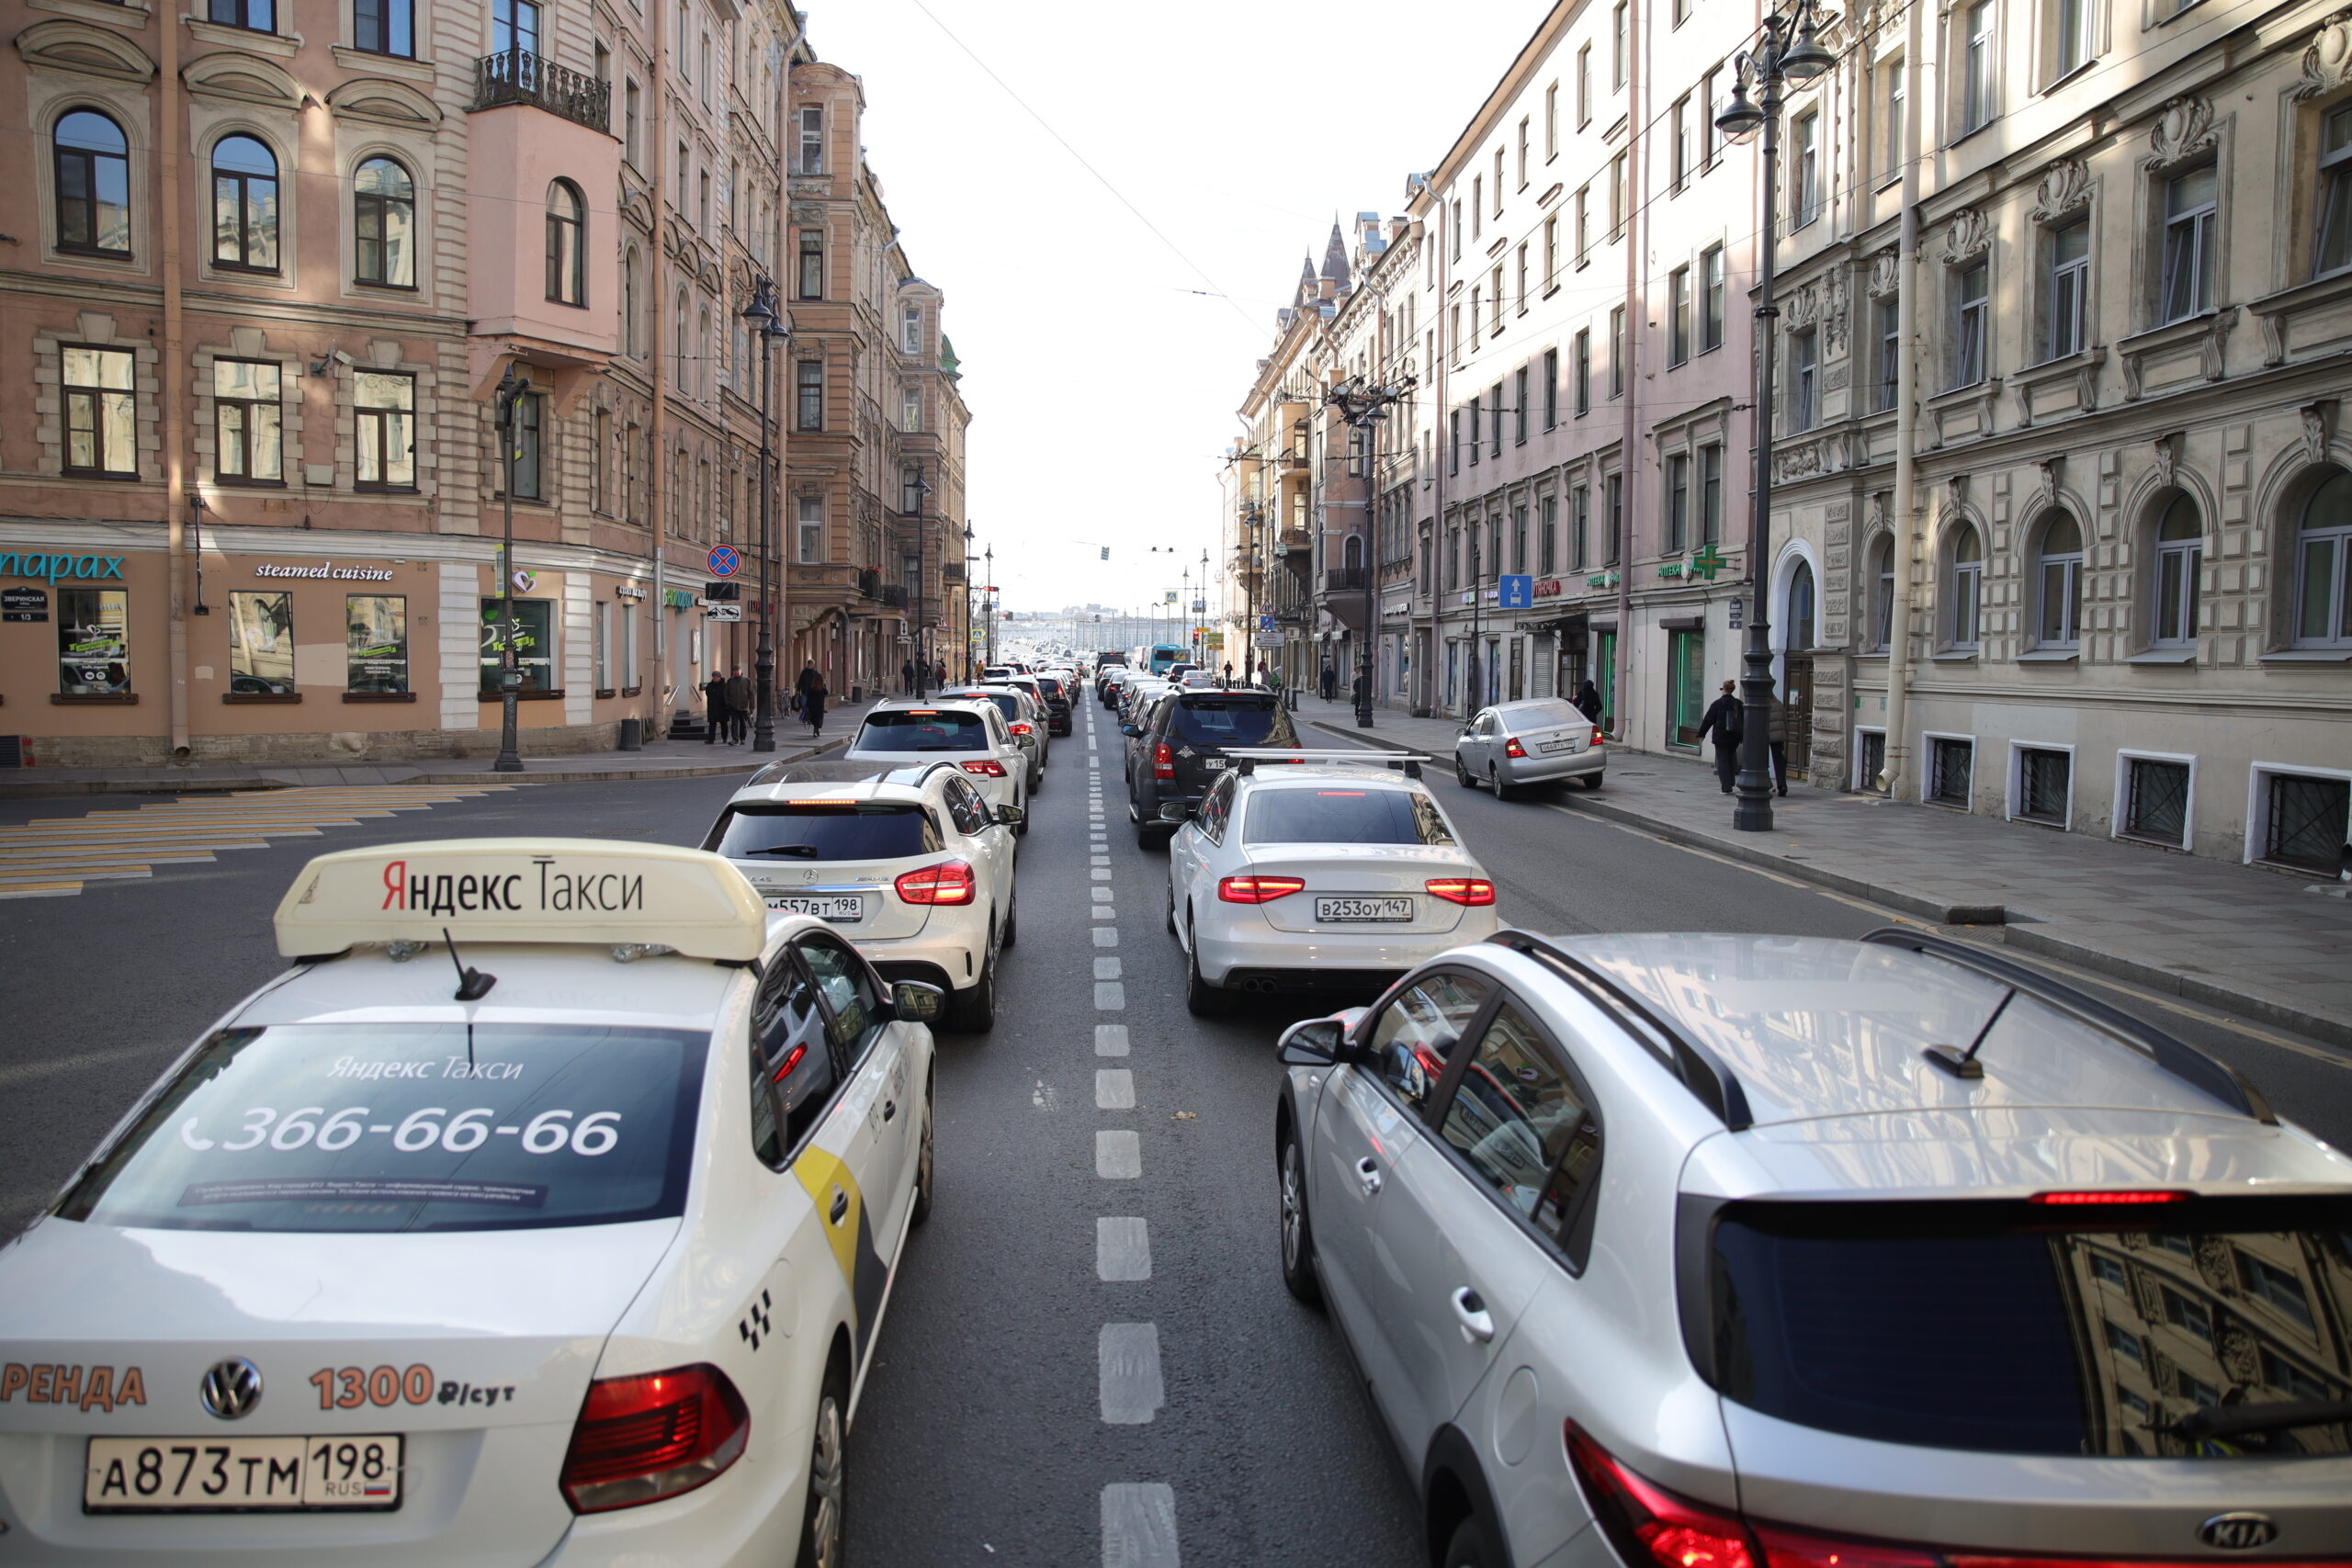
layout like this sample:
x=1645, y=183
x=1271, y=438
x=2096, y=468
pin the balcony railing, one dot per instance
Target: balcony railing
x=1343, y=579
x=519, y=76
x=894, y=595
x=869, y=583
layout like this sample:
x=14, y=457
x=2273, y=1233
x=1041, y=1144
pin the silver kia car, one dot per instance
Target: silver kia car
x=1711, y=1251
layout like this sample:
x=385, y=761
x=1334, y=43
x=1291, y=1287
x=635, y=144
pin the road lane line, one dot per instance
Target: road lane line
x=1110, y=996
x=1106, y=936
x=1121, y=1250
x=1115, y=1088
x=1119, y=1154
x=1110, y=1039
x=1101, y=894
x=1104, y=911
x=1106, y=968
x=1139, y=1524
x=1100, y=872
x=1127, y=1364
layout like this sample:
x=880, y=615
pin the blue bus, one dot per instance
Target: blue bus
x=1158, y=656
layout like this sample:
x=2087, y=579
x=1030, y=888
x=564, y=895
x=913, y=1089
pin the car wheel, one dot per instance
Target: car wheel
x=1470, y=1547
x=1299, y=1237
x=921, y=1209
x=1201, y=998
x=972, y=1011
x=1591, y=781
x=820, y=1523
x=1495, y=782
x=1462, y=774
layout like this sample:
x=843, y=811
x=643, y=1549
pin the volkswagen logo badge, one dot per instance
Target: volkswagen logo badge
x=232, y=1389
x=2238, y=1532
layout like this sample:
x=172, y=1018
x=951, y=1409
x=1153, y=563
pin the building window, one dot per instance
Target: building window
x=1548, y=544
x=1521, y=398
x=513, y=26
x=101, y=412
x=1519, y=539
x=1584, y=370
x=910, y=491
x=1808, y=169
x=1478, y=206
x=534, y=632
x=1966, y=588
x=1498, y=182
x=1551, y=253
x=93, y=642
x=810, y=386
x=2058, y=578
x=1677, y=504
x=1551, y=121
x=1971, y=311
x=2045, y=784
x=2180, y=547
x=1677, y=330
x=527, y=452
x=1617, y=25
x=2303, y=820
x=2324, y=566
x=383, y=219
x=2335, y=192
x=1951, y=771
x=910, y=410
x=260, y=644
x=385, y=416
x=632, y=118
x=632, y=335
x=1453, y=441
x=1977, y=68
x=384, y=27
x=1519, y=281
x=1707, y=107
x=1613, y=494
x=566, y=279
x=245, y=418
x=600, y=464
x=1522, y=155
x=1710, y=494
x=93, y=177
x=254, y=16
x=1881, y=579
x=1804, y=381
x=911, y=330
x=812, y=263
x=1580, y=528
x=1803, y=608
x=812, y=140
x=1495, y=419
x=2190, y=207
x=2074, y=20
x=1710, y=300
x=376, y=643
x=811, y=530
x=2069, y=286
x=1617, y=351
x=1584, y=223
x=1584, y=87
x=1890, y=352
x=1617, y=196
x=1891, y=105
x=1551, y=388
x=1677, y=144
x=244, y=205
x=2155, y=800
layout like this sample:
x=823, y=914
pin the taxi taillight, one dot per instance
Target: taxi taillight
x=644, y=1439
x=987, y=770
x=1020, y=728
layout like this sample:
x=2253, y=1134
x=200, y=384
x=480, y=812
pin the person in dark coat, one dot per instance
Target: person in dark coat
x=714, y=702
x=812, y=699
x=740, y=696
x=1589, y=701
x=907, y=677
x=1723, y=723
x=1776, y=736
x=1331, y=681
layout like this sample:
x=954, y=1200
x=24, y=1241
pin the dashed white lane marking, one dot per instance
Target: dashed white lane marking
x=1100, y=872
x=1119, y=1154
x=1098, y=860
x=1104, y=911
x=1110, y=1039
x=1106, y=968
x=1121, y=1250
x=1110, y=997
x=1139, y=1524
x=1127, y=1358
x=1106, y=936
x=1101, y=894
x=1115, y=1090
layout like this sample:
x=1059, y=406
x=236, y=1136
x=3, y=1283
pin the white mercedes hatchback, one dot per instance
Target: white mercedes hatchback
x=543, y=1213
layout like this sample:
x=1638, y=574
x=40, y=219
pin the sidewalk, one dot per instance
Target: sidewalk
x=659, y=760
x=2260, y=944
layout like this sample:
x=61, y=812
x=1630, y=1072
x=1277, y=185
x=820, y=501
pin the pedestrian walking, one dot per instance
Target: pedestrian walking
x=1228, y=671
x=943, y=673
x=1331, y=681
x=1361, y=690
x=740, y=698
x=1776, y=736
x=1589, y=701
x=1723, y=723
x=713, y=704
x=812, y=689
x=907, y=677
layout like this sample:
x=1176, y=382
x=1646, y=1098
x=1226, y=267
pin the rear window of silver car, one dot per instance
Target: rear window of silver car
x=1342, y=816
x=389, y=1127
x=825, y=829
x=1540, y=715
x=924, y=730
x=2174, y=1330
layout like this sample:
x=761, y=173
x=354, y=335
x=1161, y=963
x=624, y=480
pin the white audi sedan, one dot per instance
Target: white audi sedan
x=968, y=732
x=543, y=1212
x=1334, y=875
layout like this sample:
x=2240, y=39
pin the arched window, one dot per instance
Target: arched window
x=244, y=205
x=93, y=172
x=2324, y=566
x=1882, y=591
x=2058, y=580
x=2181, y=547
x=383, y=218
x=631, y=342
x=1964, y=589
x=1800, y=621
x=1351, y=553
x=678, y=363
x=567, y=244
x=703, y=385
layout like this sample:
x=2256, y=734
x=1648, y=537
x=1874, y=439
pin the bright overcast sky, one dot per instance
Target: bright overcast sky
x=1102, y=368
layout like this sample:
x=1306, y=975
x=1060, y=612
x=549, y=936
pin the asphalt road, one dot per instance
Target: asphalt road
x=983, y=1436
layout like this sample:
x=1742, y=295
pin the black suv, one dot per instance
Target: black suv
x=1056, y=703
x=1176, y=749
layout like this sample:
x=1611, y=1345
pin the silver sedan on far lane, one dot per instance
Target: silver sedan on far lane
x=1545, y=740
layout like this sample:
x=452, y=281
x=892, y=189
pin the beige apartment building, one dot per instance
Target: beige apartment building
x=270, y=266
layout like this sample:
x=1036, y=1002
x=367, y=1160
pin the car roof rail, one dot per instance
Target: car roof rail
x=1702, y=1072
x=1248, y=758
x=2175, y=1055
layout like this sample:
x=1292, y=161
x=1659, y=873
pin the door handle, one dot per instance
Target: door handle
x=1470, y=1311
x=841, y=1207
x=889, y=1108
x=1368, y=1173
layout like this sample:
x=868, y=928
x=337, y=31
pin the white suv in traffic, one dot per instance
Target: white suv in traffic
x=968, y=732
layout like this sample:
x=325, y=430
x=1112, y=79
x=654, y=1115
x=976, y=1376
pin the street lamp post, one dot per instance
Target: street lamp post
x=512, y=390
x=761, y=312
x=1366, y=409
x=1789, y=52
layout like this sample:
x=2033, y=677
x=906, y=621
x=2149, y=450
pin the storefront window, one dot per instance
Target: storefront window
x=376, y=629
x=534, y=645
x=260, y=644
x=93, y=641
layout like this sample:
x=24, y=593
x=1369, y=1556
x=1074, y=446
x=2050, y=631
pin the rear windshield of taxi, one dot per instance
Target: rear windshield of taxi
x=395, y=1127
x=1342, y=816
x=924, y=730
x=2211, y=1328
x=824, y=830
x=1236, y=718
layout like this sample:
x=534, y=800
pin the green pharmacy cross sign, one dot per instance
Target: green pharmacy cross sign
x=1705, y=564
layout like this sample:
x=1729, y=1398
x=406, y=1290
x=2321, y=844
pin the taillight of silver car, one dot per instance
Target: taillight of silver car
x=1471, y=892
x=644, y=1439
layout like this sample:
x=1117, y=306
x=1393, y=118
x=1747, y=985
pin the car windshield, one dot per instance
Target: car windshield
x=1218, y=718
x=1539, y=716
x=826, y=829
x=2176, y=1331
x=923, y=729
x=1341, y=814
x=410, y=1127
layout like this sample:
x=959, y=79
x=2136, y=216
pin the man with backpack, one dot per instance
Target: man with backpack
x=1723, y=722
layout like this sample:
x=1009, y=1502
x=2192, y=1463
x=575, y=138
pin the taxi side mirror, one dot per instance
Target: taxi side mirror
x=1315, y=1043
x=1010, y=816
x=916, y=1002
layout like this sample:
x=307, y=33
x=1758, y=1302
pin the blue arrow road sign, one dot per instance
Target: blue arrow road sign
x=1515, y=592
x=725, y=561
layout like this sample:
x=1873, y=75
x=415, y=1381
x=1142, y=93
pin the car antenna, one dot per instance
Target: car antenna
x=1963, y=1063
x=472, y=984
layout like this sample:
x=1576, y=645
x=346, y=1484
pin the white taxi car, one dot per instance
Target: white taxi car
x=543, y=1212
x=909, y=862
x=1334, y=875
x=969, y=733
